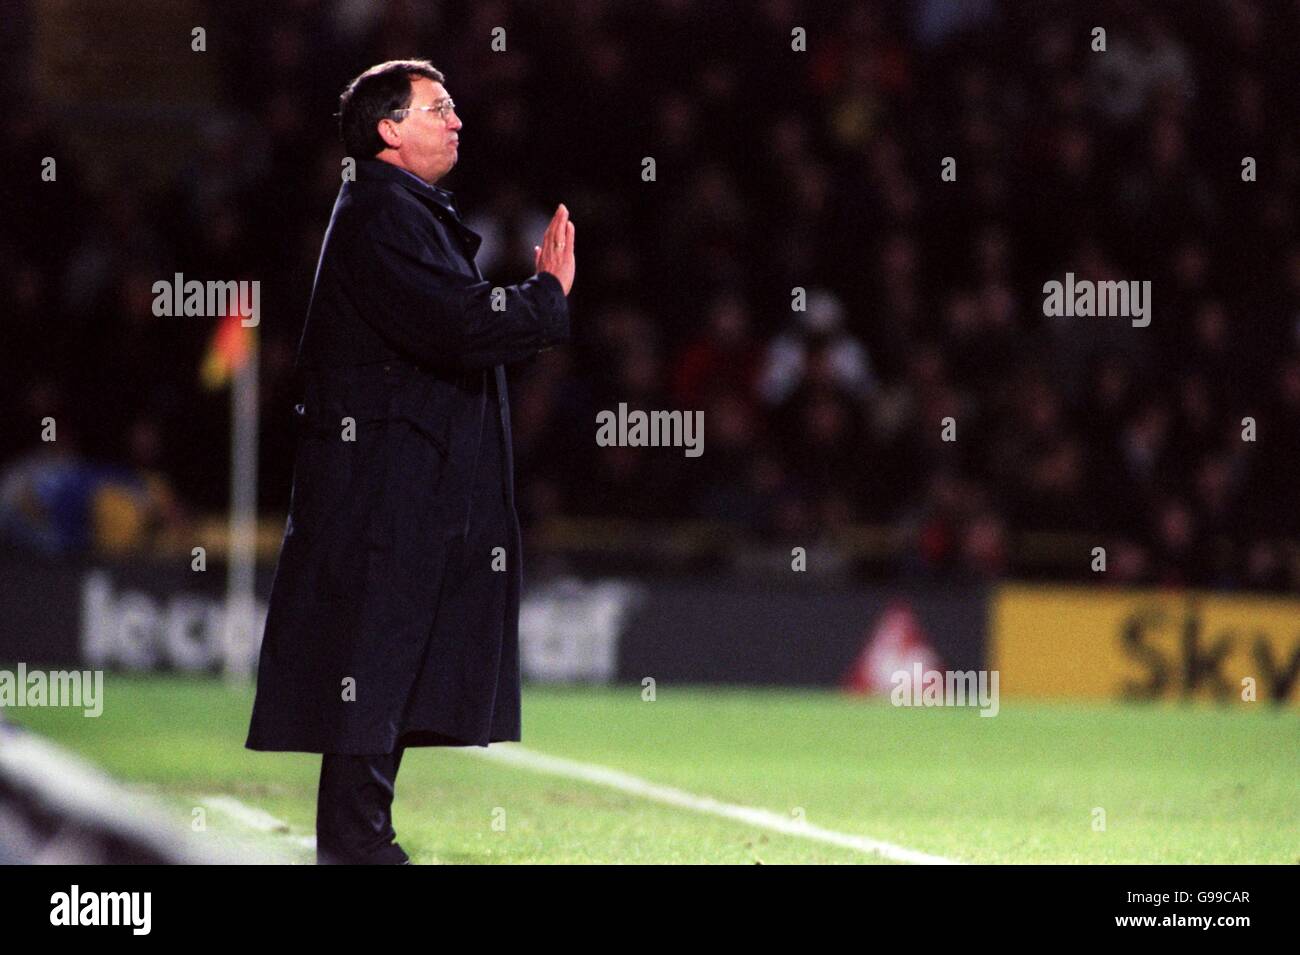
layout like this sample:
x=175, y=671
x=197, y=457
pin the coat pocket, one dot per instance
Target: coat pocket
x=323, y=526
x=371, y=453
x=400, y=447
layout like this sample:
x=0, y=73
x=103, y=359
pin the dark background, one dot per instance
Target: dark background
x=775, y=169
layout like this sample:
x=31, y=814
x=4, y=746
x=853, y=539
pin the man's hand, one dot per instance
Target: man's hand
x=555, y=254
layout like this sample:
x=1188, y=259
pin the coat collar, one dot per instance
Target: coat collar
x=443, y=200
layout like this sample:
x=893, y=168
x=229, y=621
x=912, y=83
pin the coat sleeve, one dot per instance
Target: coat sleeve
x=425, y=309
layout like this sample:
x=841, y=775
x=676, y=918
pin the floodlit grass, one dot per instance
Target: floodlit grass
x=1177, y=784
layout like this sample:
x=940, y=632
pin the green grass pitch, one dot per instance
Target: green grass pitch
x=1176, y=784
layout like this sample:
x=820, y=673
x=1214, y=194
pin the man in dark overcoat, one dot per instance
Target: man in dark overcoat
x=393, y=616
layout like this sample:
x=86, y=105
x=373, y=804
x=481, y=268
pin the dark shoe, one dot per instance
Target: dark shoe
x=354, y=824
x=391, y=854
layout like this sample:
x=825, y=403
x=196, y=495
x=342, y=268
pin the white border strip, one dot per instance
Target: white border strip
x=83, y=794
x=513, y=754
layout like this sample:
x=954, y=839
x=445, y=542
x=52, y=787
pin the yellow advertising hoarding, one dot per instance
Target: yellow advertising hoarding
x=1145, y=644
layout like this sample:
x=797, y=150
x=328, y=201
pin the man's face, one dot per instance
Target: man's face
x=423, y=142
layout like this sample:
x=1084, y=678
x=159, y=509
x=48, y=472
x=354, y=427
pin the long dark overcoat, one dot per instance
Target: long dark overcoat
x=390, y=619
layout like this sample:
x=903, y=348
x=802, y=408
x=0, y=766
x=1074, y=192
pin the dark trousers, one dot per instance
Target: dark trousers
x=354, y=819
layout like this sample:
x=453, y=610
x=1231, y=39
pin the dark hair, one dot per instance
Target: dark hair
x=372, y=96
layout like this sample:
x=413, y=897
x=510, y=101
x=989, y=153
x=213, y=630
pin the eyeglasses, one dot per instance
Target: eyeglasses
x=442, y=109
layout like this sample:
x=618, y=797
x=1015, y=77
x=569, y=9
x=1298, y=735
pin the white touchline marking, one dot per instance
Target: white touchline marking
x=253, y=817
x=516, y=755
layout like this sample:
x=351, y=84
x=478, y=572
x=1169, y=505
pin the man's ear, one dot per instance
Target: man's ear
x=389, y=133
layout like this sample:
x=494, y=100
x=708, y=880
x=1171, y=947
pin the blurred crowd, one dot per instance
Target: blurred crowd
x=1176, y=447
